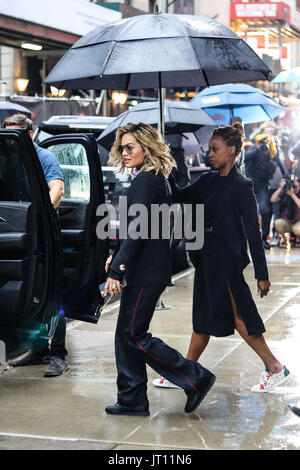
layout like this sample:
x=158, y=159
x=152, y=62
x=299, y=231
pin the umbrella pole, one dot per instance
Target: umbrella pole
x=161, y=102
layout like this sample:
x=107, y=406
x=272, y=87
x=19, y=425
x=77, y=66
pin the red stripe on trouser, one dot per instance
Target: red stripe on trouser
x=151, y=355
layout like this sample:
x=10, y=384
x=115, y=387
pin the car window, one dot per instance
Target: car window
x=73, y=161
x=13, y=178
x=115, y=183
x=41, y=135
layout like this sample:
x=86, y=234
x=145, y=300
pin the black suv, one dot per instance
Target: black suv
x=41, y=256
x=49, y=263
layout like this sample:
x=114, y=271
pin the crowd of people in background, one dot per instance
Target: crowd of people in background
x=271, y=159
x=272, y=162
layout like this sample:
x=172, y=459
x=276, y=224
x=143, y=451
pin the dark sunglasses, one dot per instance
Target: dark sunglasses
x=128, y=148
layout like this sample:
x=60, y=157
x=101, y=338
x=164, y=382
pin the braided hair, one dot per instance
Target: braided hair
x=233, y=136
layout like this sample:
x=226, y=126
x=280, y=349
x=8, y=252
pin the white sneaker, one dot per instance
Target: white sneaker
x=269, y=382
x=164, y=383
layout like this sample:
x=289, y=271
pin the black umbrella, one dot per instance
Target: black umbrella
x=7, y=108
x=158, y=51
x=180, y=117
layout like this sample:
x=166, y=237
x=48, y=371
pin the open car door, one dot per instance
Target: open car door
x=84, y=255
x=30, y=249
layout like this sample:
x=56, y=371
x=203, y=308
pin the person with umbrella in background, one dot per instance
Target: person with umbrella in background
x=146, y=264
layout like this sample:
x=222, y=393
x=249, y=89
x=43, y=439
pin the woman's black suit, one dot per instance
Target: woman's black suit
x=230, y=219
x=147, y=272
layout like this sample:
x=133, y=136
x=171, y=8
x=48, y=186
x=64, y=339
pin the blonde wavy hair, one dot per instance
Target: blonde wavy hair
x=158, y=156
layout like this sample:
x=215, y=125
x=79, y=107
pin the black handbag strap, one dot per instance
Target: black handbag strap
x=277, y=159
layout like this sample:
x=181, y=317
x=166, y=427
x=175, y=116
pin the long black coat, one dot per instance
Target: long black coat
x=230, y=214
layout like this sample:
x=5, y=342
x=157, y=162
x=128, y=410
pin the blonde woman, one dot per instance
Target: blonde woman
x=146, y=265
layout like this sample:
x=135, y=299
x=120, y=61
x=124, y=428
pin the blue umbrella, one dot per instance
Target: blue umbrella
x=292, y=75
x=223, y=102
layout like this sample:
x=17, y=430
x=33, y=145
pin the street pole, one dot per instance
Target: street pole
x=162, y=91
x=281, y=85
x=164, y=6
x=161, y=126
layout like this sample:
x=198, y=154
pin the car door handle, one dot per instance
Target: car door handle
x=2, y=220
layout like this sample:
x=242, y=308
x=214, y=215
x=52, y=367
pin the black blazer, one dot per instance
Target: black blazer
x=146, y=261
x=235, y=218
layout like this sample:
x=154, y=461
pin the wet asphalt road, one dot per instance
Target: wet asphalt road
x=67, y=412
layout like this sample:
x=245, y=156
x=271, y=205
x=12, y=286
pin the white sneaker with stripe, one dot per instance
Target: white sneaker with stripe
x=269, y=381
x=164, y=383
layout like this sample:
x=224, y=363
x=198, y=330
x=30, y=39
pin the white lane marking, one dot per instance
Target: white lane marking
x=82, y=439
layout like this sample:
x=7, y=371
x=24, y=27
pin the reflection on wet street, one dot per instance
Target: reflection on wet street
x=68, y=412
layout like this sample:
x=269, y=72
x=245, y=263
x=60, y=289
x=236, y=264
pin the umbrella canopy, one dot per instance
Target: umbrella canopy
x=159, y=50
x=292, y=75
x=223, y=102
x=7, y=108
x=180, y=117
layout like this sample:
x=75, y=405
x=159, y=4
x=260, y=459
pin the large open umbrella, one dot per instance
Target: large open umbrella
x=158, y=51
x=223, y=102
x=292, y=75
x=180, y=117
x=7, y=108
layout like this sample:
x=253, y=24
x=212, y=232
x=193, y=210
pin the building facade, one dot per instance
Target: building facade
x=272, y=28
x=218, y=9
x=35, y=34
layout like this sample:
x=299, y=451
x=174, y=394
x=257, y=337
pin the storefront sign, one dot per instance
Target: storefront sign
x=73, y=16
x=260, y=10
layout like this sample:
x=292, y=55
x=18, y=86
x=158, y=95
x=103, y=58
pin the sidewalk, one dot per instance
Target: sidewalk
x=67, y=412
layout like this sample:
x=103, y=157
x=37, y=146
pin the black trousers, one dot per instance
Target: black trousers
x=135, y=347
x=58, y=343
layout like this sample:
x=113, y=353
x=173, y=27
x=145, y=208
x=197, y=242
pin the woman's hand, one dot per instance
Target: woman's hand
x=263, y=287
x=112, y=286
x=107, y=263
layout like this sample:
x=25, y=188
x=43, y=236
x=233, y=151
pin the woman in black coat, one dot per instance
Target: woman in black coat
x=145, y=262
x=222, y=301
